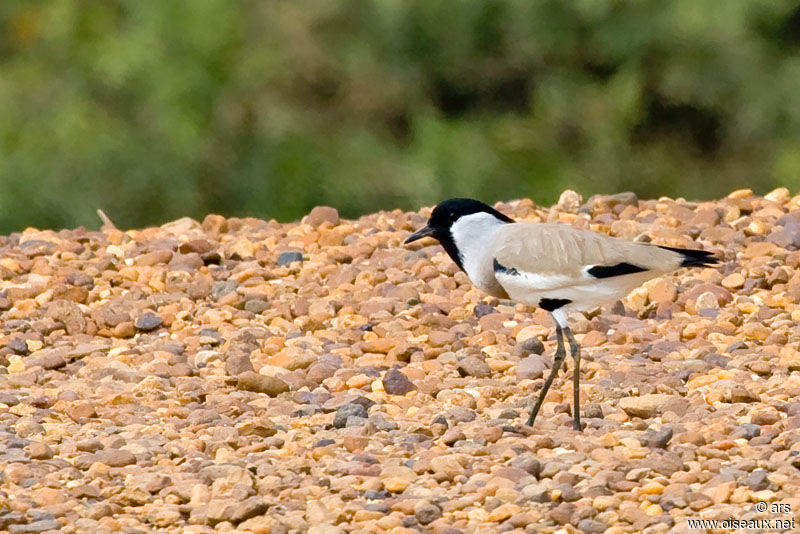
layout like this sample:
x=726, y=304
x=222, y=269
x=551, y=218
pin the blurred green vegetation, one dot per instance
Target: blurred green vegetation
x=152, y=110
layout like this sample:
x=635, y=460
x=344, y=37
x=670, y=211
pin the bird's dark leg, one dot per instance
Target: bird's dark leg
x=558, y=360
x=575, y=350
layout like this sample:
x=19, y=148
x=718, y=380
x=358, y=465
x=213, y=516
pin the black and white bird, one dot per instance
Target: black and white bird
x=556, y=267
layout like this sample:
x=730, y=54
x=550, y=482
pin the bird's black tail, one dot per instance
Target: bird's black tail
x=695, y=258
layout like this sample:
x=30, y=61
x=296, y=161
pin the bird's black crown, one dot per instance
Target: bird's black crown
x=449, y=211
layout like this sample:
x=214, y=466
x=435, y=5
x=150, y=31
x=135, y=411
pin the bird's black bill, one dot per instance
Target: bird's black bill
x=425, y=231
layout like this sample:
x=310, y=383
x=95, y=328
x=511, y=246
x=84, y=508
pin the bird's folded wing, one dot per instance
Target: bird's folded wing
x=549, y=256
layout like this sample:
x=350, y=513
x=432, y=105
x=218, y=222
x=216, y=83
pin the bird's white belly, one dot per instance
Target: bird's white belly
x=583, y=295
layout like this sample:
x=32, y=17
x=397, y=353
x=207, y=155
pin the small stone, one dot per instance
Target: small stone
x=662, y=291
x=148, y=322
x=503, y=512
x=532, y=345
x=40, y=451
x=19, y=346
x=659, y=439
x=84, y=410
x=69, y=314
x=235, y=512
x=528, y=463
x=164, y=516
x=757, y=480
x=89, y=445
x=42, y=525
x=765, y=418
x=562, y=514
x=733, y=281
x=272, y=386
x=222, y=288
x=569, y=201
x=301, y=361
x=285, y=258
x=645, y=406
x=345, y=412
x=787, y=237
x=47, y=359
x=396, y=484
x=453, y=435
x=483, y=309
x=593, y=410
x=750, y=430
x=427, y=512
x=115, y=457
x=397, y=383
x=125, y=330
x=474, y=366
x=591, y=526
x=448, y=465
x=739, y=393
x=706, y=301
x=237, y=364
x=531, y=368
x=322, y=214
x=256, y=306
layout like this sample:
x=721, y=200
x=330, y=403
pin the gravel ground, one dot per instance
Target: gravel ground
x=251, y=376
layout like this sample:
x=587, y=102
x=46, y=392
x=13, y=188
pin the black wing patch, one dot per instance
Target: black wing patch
x=609, y=271
x=694, y=258
x=553, y=304
x=499, y=268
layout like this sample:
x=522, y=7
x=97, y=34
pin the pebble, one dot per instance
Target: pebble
x=531, y=368
x=115, y=457
x=474, y=366
x=452, y=436
x=659, y=439
x=222, y=288
x=645, y=406
x=396, y=383
x=258, y=383
x=530, y=346
x=427, y=512
x=349, y=414
x=287, y=258
x=148, y=322
x=40, y=451
x=323, y=214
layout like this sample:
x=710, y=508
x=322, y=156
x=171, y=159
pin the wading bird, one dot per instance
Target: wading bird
x=556, y=267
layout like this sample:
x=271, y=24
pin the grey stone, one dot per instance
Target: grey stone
x=592, y=526
x=757, y=480
x=530, y=346
x=659, y=439
x=427, y=512
x=256, y=306
x=396, y=383
x=345, y=412
x=474, y=366
x=222, y=288
x=36, y=526
x=285, y=258
x=148, y=321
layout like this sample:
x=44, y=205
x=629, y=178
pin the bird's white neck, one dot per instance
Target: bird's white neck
x=472, y=236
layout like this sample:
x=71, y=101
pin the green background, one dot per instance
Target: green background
x=155, y=109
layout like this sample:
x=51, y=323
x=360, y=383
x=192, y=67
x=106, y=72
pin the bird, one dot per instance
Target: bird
x=556, y=267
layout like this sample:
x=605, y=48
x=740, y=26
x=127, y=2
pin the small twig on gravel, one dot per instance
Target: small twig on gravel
x=107, y=222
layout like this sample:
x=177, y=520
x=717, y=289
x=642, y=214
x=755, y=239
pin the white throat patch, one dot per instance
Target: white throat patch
x=473, y=235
